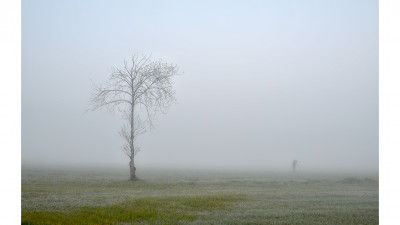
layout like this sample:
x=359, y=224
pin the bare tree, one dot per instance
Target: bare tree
x=138, y=90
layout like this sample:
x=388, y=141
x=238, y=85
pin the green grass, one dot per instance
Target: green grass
x=151, y=210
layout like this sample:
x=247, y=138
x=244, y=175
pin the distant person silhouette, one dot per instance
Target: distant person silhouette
x=294, y=164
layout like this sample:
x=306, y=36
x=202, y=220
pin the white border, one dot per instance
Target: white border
x=10, y=111
x=389, y=114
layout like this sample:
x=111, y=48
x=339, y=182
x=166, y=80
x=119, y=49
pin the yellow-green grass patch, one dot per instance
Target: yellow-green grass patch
x=154, y=210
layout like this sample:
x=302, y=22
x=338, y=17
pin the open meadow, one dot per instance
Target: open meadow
x=89, y=196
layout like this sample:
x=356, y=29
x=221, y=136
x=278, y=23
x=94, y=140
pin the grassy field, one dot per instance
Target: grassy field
x=75, y=196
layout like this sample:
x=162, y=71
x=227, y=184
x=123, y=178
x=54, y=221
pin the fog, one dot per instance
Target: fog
x=263, y=83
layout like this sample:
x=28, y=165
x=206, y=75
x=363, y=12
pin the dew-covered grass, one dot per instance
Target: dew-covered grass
x=196, y=197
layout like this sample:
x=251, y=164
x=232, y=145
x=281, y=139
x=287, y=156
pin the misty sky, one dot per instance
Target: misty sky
x=263, y=83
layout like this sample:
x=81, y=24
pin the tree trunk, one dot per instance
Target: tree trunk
x=132, y=170
x=132, y=146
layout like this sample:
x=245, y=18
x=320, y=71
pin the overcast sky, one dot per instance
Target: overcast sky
x=263, y=83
